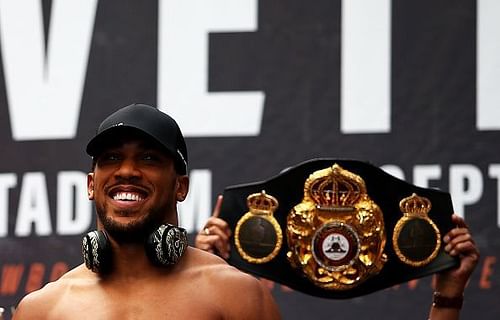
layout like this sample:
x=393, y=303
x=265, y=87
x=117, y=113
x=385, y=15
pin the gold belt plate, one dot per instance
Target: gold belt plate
x=258, y=236
x=336, y=234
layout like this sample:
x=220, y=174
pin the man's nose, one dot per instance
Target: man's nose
x=128, y=168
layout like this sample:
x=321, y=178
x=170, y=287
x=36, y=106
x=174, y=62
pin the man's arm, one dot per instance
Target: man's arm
x=32, y=306
x=450, y=284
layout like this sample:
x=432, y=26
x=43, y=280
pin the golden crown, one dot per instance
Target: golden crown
x=335, y=187
x=261, y=203
x=415, y=205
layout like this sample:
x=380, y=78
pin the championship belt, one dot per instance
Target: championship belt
x=337, y=228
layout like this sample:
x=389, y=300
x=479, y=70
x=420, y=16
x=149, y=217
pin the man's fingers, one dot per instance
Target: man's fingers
x=453, y=235
x=218, y=232
x=459, y=243
x=222, y=248
x=205, y=246
x=459, y=221
x=214, y=244
x=218, y=205
x=217, y=223
x=466, y=248
x=213, y=238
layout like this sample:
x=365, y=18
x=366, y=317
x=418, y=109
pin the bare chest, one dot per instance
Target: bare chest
x=135, y=302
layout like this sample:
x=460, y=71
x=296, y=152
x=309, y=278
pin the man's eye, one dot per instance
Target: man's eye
x=109, y=157
x=150, y=157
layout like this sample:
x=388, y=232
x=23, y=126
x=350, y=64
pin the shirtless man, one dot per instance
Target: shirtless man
x=139, y=174
x=450, y=284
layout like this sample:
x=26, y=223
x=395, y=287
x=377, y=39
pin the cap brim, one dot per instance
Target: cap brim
x=102, y=140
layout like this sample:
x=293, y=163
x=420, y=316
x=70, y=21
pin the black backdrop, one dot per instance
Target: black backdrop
x=293, y=57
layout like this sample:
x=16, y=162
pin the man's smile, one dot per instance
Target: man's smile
x=128, y=196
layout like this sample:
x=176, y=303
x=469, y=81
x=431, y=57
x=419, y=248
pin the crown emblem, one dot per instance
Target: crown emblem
x=415, y=206
x=258, y=236
x=261, y=203
x=335, y=187
x=336, y=234
x=416, y=238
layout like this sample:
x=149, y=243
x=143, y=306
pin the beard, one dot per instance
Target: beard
x=135, y=231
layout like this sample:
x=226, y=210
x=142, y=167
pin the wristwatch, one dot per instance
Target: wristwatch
x=440, y=301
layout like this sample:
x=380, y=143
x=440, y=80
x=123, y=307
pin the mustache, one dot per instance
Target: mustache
x=132, y=184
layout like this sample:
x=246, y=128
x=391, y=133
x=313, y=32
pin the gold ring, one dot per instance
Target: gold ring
x=206, y=231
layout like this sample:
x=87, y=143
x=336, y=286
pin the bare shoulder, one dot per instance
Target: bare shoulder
x=38, y=304
x=254, y=299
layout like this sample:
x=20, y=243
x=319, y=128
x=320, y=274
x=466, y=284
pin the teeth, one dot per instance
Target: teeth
x=127, y=196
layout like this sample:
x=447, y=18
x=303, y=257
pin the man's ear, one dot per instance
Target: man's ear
x=181, y=188
x=90, y=185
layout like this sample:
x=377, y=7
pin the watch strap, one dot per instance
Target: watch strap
x=440, y=301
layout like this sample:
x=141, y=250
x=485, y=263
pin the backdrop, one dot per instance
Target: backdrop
x=412, y=86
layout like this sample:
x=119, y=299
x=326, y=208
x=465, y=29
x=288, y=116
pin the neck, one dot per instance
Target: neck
x=130, y=262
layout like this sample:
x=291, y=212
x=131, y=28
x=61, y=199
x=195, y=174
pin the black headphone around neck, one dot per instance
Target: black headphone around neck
x=164, y=247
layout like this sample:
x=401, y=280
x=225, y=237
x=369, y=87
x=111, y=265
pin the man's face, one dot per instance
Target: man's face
x=135, y=188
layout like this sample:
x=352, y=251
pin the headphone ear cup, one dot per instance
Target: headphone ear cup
x=96, y=251
x=166, y=245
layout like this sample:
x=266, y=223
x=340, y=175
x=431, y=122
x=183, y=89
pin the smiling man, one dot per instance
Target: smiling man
x=138, y=264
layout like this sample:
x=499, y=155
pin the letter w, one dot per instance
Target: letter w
x=41, y=87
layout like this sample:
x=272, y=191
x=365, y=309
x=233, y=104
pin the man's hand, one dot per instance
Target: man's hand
x=214, y=237
x=458, y=243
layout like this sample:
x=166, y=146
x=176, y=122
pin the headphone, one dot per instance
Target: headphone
x=164, y=247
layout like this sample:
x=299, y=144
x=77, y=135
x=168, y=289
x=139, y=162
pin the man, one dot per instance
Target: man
x=450, y=284
x=139, y=173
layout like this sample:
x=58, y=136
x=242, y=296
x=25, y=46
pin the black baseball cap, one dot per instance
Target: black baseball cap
x=148, y=120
